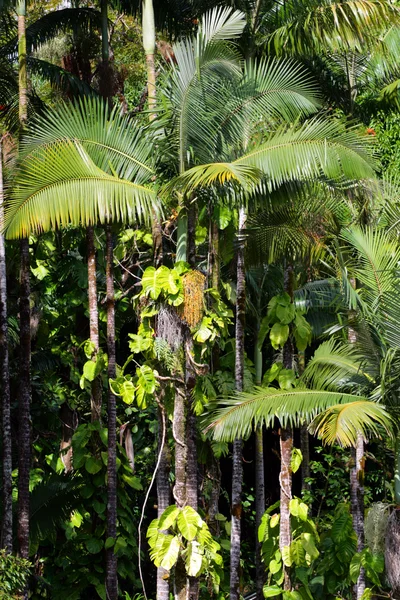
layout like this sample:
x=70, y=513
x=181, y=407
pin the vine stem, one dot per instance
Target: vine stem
x=148, y=494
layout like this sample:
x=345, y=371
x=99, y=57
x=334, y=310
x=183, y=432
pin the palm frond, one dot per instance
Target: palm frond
x=343, y=424
x=116, y=144
x=296, y=27
x=318, y=148
x=53, y=23
x=376, y=263
x=51, y=503
x=244, y=412
x=58, y=185
x=58, y=77
x=338, y=365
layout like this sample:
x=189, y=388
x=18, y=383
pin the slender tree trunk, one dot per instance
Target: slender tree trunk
x=357, y=506
x=149, y=46
x=24, y=400
x=96, y=398
x=286, y=446
x=304, y=436
x=237, y=467
x=163, y=498
x=111, y=576
x=357, y=486
x=24, y=395
x=259, y=473
x=179, y=433
x=7, y=516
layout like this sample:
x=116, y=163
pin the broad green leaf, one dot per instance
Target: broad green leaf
x=93, y=465
x=296, y=460
x=170, y=553
x=286, y=379
x=132, y=481
x=169, y=517
x=120, y=546
x=274, y=566
x=287, y=556
x=279, y=335
x=94, y=545
x=285, y=314
x=274, y=520
x=127, y=392
x=193, y=559
x=76, y=518
x=89, y=370
x=270, y=591
x=308, y=542
x=189, y=522
x=110, y=541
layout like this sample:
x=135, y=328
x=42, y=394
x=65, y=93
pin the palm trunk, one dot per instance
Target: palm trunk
x=357, y=506
x=304, y=437
x=24, y=395
x=111, y=576
x=237, y=467
x=149, y=46
x=357, y=486
x=7, y=517
x=286, y=446
x=96, y=398
x=179, y=433
x=259, y=473
x=163, y=497
x=24, y=400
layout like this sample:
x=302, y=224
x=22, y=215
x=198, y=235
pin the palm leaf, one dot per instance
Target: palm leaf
x=115, y=143
x=343, y=424
x=296, y=27
x=318, y=148
x=246, y=411
x=58, y=185
x=337, y=365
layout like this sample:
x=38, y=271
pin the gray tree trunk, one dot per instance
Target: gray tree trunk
x=357, y=506
x=286, y=446
x=259, y=473
x=7, y=516
x=96, y=397
x=237, y=466
x=163, y=497
x=111, y=558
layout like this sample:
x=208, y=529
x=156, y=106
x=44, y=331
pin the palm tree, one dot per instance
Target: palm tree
x=236, y=102
x=24, y=400
x=108, y=165
x=7, y=516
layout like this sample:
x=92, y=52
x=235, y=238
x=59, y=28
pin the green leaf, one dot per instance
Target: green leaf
x=286, y=379
x=132, y=481
x=170, y=553
x=93, y=465
x=193, y=559
x=189, y=522
x=285, y=314
x=76, y=518
x=110, y=541
x=89, y=370
x=274, y=566
x=127, y=391
x=120, y=546
x=279, y=335
x=101, y=590
x=274, y=520
x=169, y=517
x=287, y=557
x=223, y=214
x=296, y=460
x=270, y=591
x=94, y=545
x=308, y=543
